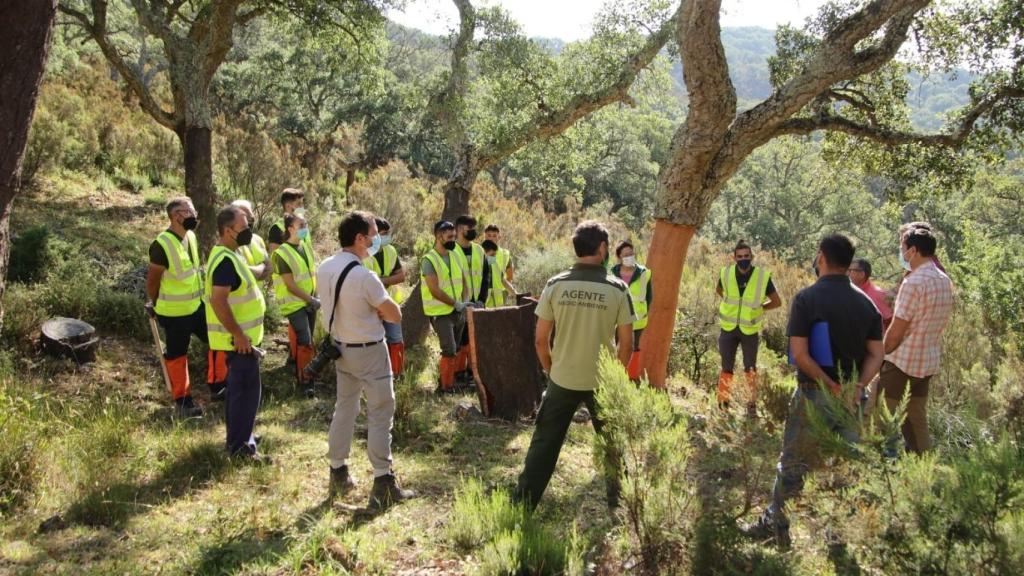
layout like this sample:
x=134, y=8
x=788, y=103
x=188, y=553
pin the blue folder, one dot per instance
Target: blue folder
x=820, y=345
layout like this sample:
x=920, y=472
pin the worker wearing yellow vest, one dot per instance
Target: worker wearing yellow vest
x=292, y=200
x=294, y=282
x=444, y=288
x=473, y=262
x=503, y=256
x=255, y=254
x=500, y=291
x=638, y=278
x=388, y=266
x=174, y=286
x=235, y=322
x=746, y=291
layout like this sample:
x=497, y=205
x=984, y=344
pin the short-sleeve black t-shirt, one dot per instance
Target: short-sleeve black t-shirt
x=851, y=316
x=158, y=256
x=226, y=275
x=276, y=235
x=743, y=279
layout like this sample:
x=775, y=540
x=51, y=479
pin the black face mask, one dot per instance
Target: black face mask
x=449, y=245
x=190, y=223
x=244, y=237
x=470, y=235
x=814, y=267
x=743, y=263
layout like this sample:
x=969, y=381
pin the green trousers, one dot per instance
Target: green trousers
x=553, y=421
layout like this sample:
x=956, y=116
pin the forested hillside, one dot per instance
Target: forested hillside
x=100, y=474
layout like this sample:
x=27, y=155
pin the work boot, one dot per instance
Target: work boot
x=218, y=390
x=308, y=389
x=387, y=492
x=250, y=455
x=766, y=528
x=341, y=481
x=187, y=408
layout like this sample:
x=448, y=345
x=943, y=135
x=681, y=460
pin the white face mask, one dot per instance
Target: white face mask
x=300, y=212
x=492, y=260
x=629, y=261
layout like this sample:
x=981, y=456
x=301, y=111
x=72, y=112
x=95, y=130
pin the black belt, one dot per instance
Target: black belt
x=361, y=344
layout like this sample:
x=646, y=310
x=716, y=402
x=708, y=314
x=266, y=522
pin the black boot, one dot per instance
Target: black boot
x=187, y=408
x=386, y=492
x=341, y=481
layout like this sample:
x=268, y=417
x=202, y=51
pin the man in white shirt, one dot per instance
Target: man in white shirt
x=363, y=303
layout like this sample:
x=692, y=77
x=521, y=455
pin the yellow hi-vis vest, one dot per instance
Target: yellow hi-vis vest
x=473, y=267
x=496, y=294
x=307, y=241
x=256, y=252
x=303, y=274
x=743, y=310
x=247, y=303
x=181, y=286
x=448, y=279
x=390, y=262
x=638, y=288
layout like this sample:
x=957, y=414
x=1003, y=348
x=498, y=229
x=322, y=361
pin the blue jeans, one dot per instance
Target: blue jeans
x=392, y=333
x=799, y=450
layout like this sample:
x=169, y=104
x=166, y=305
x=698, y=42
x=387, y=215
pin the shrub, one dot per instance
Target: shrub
x=512, y=540
x=20, y=449
x=31, y=255
x=91, y=301
x=652, y=443
x=535, y=266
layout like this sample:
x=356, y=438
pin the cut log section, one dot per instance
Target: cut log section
x=70, y=338
x=505, y=366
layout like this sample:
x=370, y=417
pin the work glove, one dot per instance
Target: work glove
x=150, y=311
x=313, y=305
x=460, y=306
x=477, y=305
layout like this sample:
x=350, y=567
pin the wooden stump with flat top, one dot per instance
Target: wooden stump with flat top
x=415, y=324
x=505, y=366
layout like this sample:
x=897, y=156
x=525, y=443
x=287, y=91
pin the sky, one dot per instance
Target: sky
x=570, y=19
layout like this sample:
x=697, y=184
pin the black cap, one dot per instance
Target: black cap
x=443, y=225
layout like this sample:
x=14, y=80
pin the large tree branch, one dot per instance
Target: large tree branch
x=449, y=104
x=551, y=122
x=97, y=29
x=890, y=137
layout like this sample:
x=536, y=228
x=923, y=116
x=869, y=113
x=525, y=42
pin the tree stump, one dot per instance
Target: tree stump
x=508, y=374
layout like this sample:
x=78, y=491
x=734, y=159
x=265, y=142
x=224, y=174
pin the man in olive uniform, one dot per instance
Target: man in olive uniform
x=586, y=309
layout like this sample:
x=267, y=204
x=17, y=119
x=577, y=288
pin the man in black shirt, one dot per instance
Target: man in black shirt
x=853, y=353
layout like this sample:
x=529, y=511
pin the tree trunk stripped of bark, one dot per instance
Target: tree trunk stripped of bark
x=505, y=366
x=26, y=28
x=667, y=256
x=456, y=196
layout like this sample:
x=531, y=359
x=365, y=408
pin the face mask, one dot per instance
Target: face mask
x=303, y=233
x=244, y=237
x=629, y=261
x=470, y=235
x=190, y=223
x=814, y=267
x=743, y=263
x=903, y=262
x=492, y=260
x=449, y=245
x=300, y=212
x=385, y=239
x=375, y=245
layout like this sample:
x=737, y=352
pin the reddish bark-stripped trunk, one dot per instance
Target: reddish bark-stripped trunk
x=26, y=28
x=667, y=256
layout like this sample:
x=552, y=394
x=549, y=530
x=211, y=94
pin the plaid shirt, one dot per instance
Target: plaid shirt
x=925, y=301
